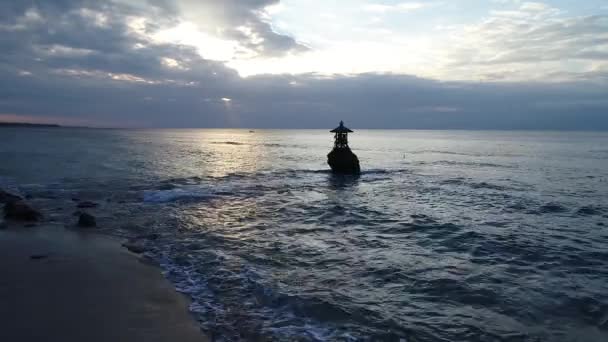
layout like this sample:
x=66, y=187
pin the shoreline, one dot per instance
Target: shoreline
x=61, y=284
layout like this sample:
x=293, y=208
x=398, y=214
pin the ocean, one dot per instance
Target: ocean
x=445, y=236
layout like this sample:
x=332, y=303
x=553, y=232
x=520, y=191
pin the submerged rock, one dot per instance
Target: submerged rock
x=86, y=221
x=86, y=204
x=344, y=161
x=19, y=210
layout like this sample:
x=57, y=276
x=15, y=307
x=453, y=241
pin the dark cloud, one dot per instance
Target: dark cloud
x=81, y=61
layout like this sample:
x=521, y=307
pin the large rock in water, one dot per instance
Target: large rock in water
x=19, y=210
x=343, y=161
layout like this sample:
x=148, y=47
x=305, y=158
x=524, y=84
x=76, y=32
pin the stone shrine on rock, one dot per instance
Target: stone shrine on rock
x=341, y=159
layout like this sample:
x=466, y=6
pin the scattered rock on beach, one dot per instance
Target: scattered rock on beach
x=86, y=220
x=6, y=197
x=86, y=204
x=19, y=210
x=134, y=246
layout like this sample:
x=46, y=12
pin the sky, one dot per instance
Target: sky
x=451, y=64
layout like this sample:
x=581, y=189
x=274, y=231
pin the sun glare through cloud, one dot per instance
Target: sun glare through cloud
x=427, y=39
x=291, y=57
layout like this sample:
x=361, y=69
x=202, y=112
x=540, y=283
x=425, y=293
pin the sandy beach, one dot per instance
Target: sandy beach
x=58, y=284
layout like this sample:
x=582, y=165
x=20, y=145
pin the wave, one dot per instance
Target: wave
x=463, y=153
x=227, y=143
x=478, y=185
x=164, y=196
x=590, y=210
x=552, y=208
x=444, y=152
x=464, y=163
x=253, y=143
x=235, y=303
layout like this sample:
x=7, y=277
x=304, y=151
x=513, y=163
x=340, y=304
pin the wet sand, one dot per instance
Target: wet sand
x=67, y=285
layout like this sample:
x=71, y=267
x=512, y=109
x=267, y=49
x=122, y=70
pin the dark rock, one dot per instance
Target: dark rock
x=86, y=220
x=19, y=210
x=344, y=161
x=30, y=225
x=38, y=256
x=552, y=208
x=589, y=211
x=167, y=187
x=86, y=204
x=6, y=197
x=149, y=261
x=134, y=247
x=153, y=236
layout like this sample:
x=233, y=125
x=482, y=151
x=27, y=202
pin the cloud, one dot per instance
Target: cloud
x=400, y=7
x=534, y=7
x=98, y=63
x=534, y=42
x=244, y=21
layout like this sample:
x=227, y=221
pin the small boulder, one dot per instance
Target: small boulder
x=134, y=246
x=6, y=197
x=19, y=210
x=86, y=204
x=86, y=220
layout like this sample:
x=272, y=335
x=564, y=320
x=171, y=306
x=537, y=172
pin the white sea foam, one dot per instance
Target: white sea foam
x=164, y=196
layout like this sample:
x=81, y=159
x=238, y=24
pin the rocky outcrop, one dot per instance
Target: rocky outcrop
x=86, y=220
x=21, y=211
x=6, y=197
x=343, y=161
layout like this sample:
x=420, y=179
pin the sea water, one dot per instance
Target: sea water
x=445, y=236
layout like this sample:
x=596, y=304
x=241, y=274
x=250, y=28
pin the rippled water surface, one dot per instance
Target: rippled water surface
x=446, y=236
